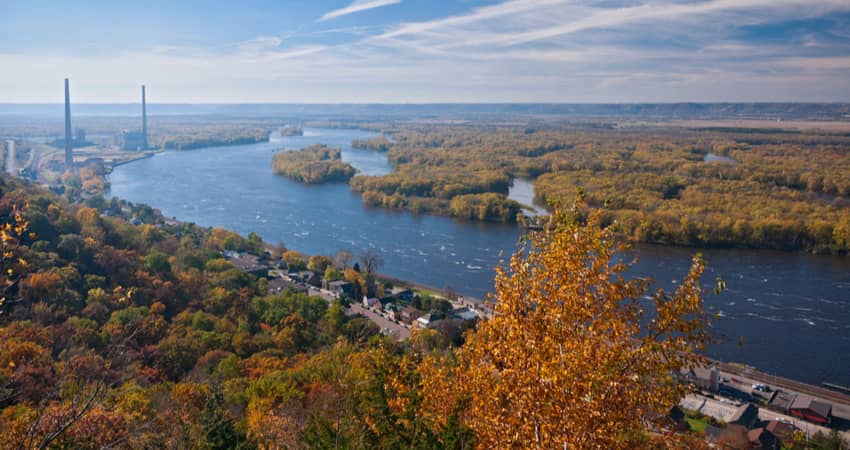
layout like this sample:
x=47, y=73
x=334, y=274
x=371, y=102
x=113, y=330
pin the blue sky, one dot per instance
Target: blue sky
x=412, y=51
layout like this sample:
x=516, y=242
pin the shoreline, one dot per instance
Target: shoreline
x=516, y=223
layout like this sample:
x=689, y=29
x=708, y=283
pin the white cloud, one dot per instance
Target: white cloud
x=476, y=15
x=667, y=11
x=355, y=7
x=517, y=50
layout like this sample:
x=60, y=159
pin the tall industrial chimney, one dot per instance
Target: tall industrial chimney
x=69, y=155
x=144, y=120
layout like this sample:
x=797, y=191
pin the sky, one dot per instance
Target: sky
x=425, y=51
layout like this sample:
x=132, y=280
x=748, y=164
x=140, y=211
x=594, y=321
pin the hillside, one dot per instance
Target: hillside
x=155, y=336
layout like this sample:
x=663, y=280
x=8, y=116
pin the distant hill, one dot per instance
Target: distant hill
x=661, y=111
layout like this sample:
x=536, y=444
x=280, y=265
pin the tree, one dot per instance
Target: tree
x=568, y=361
x=343, y=259
x=370, y=261
x=12, y=265
x=157, y=262
x=318, y=263
x=219, y=431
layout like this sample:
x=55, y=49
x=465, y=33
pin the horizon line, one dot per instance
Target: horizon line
x=683, y=102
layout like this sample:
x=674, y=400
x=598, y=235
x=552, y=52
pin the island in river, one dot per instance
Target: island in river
x=700, y=187
x=784, y=305
x=315, y=164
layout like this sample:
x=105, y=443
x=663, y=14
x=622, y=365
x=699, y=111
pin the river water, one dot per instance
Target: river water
x=785, y=313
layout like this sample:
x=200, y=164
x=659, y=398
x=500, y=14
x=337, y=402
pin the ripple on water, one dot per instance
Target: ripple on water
x=241, y=185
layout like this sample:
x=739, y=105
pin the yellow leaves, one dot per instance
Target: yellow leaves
x=565, y=361
x=122, y=295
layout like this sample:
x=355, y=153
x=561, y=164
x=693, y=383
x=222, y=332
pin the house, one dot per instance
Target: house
x=390, y=307
x=810, y=409
x=702, y=377
x=464, y=314
x=747, y=415
x=781, y=402
x=340, y=288
x=782, y=431
x=305, y=276
x=761, y=438
x=281, y=285
x=247, y=263
x=430, y=320
x=408, y=314
x=405, y=295
x=369, y=303
x=732, y=436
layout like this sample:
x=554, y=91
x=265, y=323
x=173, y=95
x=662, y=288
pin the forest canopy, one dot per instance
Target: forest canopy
x=701, y=187
x=145, y=336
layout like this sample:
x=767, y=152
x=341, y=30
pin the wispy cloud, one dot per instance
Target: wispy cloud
x=355, y=7
x=476, y=15
x=514, y=50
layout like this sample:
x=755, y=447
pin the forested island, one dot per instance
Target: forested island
x=312, y=165
x=380, y=144
x=710, y=187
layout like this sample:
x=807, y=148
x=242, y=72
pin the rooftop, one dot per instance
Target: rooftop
x=805, y=402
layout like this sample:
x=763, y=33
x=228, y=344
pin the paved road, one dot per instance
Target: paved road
x=399, y=332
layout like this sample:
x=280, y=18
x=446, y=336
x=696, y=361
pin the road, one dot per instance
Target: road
x=396, y=330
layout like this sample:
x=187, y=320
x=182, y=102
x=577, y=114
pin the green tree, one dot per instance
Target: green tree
x=219, y=431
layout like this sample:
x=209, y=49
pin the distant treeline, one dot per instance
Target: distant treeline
x=480, y=111
x=209, y=137
x=314, y=164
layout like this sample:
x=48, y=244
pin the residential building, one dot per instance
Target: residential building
x=810, y=409
x=747, y=415
x=430, y=320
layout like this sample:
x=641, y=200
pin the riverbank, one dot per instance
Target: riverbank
x=778, y=306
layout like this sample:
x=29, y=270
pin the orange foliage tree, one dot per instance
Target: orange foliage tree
x=568, y=361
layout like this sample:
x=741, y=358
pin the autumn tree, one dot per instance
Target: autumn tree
x=569, y=360
x=343, y=259
x=370, y=260
x=12, y=265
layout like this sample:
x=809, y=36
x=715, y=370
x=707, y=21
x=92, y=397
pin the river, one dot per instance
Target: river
x=785, y=313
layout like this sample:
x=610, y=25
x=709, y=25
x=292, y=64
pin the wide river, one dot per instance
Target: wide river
x=785, y=313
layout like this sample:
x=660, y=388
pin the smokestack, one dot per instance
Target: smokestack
x=69, y=156
x=144, y=120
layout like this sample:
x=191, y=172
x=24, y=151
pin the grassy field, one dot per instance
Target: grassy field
x=697, y=425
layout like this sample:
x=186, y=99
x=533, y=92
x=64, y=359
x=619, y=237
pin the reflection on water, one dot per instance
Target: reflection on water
x=711, y=157
x=792, y=309
x=522, y=191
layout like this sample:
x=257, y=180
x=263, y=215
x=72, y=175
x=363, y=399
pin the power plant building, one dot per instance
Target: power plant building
x=133, y=140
